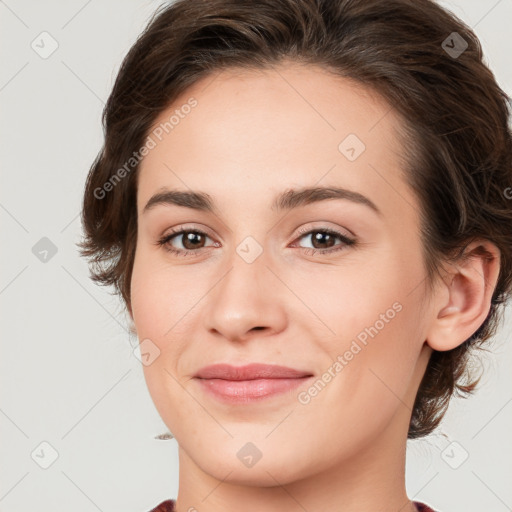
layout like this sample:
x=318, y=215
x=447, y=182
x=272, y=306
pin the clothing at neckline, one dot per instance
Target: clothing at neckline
x=168, y=506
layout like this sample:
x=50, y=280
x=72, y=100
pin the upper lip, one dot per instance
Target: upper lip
x=249, y=372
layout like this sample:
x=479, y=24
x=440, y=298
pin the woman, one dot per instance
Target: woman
x=303, y=205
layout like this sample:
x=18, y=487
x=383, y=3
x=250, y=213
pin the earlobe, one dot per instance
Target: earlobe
x=463, y=300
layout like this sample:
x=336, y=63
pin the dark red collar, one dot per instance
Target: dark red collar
x=168, y=506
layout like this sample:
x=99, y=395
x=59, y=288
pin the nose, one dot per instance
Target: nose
x=246, y=300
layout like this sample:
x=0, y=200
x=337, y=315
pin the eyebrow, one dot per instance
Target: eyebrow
x=290, y=199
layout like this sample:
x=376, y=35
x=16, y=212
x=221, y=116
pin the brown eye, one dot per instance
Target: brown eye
x=192, y=240
x=323, y=240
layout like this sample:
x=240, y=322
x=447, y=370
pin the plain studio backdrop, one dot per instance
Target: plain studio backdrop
x=77, y=423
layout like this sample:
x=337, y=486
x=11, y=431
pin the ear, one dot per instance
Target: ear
x=463, y=299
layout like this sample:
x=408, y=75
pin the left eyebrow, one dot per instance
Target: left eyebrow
x=295, y=198
x=290, y=199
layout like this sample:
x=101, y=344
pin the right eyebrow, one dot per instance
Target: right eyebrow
x=196, y=200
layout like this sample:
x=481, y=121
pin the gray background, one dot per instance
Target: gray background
x=68, y=374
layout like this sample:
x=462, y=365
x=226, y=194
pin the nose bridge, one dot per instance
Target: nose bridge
x=245, y=296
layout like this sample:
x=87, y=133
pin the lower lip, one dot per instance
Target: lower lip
x=244, y=391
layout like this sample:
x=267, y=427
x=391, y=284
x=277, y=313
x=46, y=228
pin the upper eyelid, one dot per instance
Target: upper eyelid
x=341, y=231
x=182, y=227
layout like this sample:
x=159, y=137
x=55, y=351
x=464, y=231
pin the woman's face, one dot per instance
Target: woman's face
x=273, y=276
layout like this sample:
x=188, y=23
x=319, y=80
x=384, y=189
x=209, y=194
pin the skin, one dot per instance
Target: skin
x=252, y=136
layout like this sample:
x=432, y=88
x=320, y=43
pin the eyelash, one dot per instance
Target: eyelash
x=164, y=241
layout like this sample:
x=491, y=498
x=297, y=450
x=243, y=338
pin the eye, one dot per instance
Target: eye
x=323, y=240
x=192, y=241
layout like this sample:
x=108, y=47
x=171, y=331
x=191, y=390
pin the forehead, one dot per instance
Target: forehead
x=257, y=130
x=280, y=95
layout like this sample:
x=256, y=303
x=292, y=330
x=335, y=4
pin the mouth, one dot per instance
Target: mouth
x=245, y=384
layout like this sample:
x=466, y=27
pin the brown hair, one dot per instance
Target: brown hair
x=458, y=149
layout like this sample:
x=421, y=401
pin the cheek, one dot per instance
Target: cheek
x=371, y=320
x=376, y=362
x=353, y=297
x=165, y=306
x=159, y=301
x=160, y=295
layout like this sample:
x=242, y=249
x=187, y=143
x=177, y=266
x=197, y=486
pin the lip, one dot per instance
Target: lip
x=249, y=372
x=246, y=384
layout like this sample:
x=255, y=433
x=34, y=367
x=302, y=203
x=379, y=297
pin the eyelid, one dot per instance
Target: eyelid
x=186, y=227
x=304, y=230
x=347, y=240
x=164, y=240
x=309, y=227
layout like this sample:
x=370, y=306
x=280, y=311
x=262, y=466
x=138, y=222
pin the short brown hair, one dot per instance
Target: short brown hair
x=456, y=135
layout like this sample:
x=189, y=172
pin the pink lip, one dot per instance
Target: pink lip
x=244, y=384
